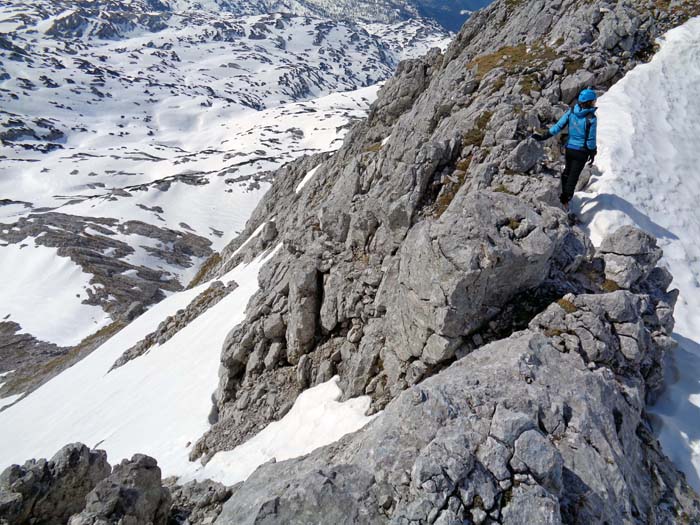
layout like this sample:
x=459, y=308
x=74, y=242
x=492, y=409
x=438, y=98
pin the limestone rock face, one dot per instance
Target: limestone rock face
x=303, y=310
x=436, y=229
x=131, y=494
x=197, y=502
x=78, y=487
x=457, y=272
x=518, y=429
x=50, y=491
x=630, y=255
x=428, y=263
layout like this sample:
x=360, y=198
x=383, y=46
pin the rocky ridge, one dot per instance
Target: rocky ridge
x=413, y=246
x=405, y=263
x=141, y=210
x=77, y=486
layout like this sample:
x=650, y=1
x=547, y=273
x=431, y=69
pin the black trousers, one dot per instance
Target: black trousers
x=575, y=162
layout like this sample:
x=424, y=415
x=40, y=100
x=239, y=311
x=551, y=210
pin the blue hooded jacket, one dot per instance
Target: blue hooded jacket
x=576, y=119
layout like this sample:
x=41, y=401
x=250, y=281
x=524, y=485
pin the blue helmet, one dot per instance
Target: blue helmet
x=587, y=95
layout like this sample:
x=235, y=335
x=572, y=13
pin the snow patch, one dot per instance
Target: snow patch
x=43, y=293
x=316, y=419
x=245, y=243
x=306, y=179
x=157, y=404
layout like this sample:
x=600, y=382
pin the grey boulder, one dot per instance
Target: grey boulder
x=51, y=491
x=131, y=495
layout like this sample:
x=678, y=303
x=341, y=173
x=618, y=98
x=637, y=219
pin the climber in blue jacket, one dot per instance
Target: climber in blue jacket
x=581, y=145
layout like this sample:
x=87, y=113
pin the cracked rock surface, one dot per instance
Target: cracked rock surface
x=436, y=228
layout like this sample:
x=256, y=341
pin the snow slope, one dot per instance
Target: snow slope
x=44, y=294
x=155, y=404
x=649, y=155
x=158, y=404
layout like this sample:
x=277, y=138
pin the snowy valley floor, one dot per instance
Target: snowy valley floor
x=649, y=156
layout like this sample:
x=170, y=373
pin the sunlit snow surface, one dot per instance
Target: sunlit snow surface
x=316, y=419
x=156, y=404
x=220, y=111
x=215, y=97
x=649, y=153
x=44, y=294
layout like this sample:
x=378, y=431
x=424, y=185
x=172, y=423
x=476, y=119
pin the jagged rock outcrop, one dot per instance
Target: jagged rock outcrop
x=97, y=245
x=197, y=502
x=428, y=264
x=51, y=491
x=78, y=487
x=427, y=233
x=431, y=236
x=133, y=493
x=547, y=426
x=522, y=430
x=630, y=255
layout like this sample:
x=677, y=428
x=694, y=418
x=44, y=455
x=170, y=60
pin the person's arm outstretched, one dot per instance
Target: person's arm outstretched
x=554, y=130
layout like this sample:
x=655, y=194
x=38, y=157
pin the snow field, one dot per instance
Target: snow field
x=315, y=420
x=159, y=118
x=157, y=404
x=43, y=293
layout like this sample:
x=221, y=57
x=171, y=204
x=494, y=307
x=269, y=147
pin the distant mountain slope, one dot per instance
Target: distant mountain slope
x=450, y=14
x=136, y=140
x=427, y=263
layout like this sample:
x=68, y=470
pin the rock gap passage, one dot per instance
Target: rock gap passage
x=649, y=161
x=428, y=265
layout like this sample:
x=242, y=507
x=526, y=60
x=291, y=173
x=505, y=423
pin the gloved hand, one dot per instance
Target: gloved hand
x=591, y=157
x=540, y=136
